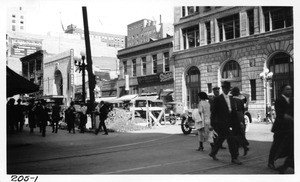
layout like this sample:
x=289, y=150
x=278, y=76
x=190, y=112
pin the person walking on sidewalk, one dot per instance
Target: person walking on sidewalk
x=283, y=129
x=42, y=116
x=239, y=116
x=216, y=92
x=70, y=117
x=103, y=112
x=83, y=117
x=31, y=115
x=55, y=117
x=222, y=123
x=202, y=121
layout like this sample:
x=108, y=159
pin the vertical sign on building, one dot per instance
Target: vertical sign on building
x=72, y=87
x=127, y=82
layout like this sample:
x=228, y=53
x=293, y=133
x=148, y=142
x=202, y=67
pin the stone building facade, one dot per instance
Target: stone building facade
x=235, y=44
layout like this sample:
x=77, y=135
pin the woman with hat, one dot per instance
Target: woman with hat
x=202, y=122
x=238, y=112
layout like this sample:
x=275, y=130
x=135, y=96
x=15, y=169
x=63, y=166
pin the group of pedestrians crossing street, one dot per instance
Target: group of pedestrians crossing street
x=40, y=116
x=221, y=118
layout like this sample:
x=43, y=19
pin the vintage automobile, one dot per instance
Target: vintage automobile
x=187, y=123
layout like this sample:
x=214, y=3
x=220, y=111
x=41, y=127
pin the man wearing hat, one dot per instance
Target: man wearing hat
x=216, y=92
x=221, y=121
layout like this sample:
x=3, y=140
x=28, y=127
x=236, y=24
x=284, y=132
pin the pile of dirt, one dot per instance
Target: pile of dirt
x=119, y=120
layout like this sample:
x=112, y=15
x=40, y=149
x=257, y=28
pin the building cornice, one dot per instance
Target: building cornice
x=258, y=39
x=158, y=44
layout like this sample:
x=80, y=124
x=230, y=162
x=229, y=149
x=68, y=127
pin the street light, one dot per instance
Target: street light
x=81, y=65
x=266, y=76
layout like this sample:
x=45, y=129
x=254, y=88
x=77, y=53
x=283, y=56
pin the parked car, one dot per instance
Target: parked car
x=187, y=123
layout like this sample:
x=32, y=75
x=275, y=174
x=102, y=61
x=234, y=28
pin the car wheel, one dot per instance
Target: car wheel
x=185, y=127
x=247, y=123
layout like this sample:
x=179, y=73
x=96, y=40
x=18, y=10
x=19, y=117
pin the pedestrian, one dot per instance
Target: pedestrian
x=19, y=116
x=83, y=117
x=31, y=115
x=10, y=113
x=216, y=92
x=239, y=116
x=103, y=112
x=42, y=116
x=201, y=116
x=283, y=129
x=70, y=117
x=55, y=116
x=222, y=123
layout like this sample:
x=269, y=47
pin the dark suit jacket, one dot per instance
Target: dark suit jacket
x=221, y=119
x=282, y=107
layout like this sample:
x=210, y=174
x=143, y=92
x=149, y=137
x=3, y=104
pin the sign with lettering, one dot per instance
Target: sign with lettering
x=157, y=78
x=24, y=47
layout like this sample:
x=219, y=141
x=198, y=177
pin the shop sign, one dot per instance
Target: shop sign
x=23, y=47
x=157, y=78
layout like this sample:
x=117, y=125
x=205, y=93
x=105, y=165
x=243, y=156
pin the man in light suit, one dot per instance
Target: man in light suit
x=222, y=122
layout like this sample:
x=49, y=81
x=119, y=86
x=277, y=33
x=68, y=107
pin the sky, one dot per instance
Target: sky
x=108, y=16
x=103, y=16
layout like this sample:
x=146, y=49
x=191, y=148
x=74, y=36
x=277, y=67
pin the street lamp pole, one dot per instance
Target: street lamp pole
x=82, y=66
x=266, y=76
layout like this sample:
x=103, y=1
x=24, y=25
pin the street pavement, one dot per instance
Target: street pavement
x=160, y=150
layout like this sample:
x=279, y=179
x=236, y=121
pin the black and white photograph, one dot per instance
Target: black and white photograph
x=154, y=90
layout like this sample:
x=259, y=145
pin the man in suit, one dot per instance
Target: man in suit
x=283, y=129
x=103, y=109
x=216, y=92
x=222, y=123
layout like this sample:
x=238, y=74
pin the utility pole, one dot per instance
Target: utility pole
x=89, y=65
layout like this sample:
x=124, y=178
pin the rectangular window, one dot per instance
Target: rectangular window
x=208, y=32
x=167, y=61
x=38, y=64
x=134, y=67
x=191, y=37
x=253, y=89
x=250, y=14
x=13, y=28
x=209, y=88
x=125, y=67
x=190, y=10
x=154, y=63
x=144, y=66
x=229, y=27
x=183, y=11
x=277, y=17
x=13, y=21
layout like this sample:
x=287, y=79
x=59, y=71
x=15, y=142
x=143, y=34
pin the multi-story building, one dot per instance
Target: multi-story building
x=32, y=69
x=146, y=30
x=16, y=19
x=112, y=40
x=147, y=68
x=236, y=44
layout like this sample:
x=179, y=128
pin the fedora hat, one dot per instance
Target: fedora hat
x=216, y=88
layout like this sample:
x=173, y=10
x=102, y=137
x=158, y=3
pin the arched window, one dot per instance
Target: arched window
x=58, y=82
x=231, y=70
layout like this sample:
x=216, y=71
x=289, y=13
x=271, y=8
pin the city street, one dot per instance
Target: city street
x=162, y=150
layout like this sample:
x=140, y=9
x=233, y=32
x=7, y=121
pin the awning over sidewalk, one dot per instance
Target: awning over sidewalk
x=127, y=97
x=16, y=84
